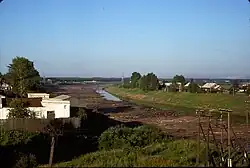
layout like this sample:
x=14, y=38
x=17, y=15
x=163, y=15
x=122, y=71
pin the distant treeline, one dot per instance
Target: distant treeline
x=79, y=79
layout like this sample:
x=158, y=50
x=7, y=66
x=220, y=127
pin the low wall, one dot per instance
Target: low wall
x=35, y=125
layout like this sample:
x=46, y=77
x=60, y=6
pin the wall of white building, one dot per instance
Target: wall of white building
x=61, y=109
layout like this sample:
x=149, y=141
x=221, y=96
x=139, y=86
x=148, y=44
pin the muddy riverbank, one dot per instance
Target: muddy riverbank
x=125, y=111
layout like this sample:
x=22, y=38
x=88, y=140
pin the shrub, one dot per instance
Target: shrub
x=124, y=137
x=26, y=161
x=15, y=137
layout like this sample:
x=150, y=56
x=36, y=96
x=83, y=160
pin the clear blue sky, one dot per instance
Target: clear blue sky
x=197, y=38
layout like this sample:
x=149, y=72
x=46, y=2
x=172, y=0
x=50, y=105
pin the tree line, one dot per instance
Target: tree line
x=150, y=82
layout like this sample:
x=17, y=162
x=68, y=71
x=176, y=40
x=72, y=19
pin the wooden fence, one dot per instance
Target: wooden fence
x=34, y=125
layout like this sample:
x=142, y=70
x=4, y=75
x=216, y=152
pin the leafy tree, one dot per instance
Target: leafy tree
x=248, y=90
x=149, y=82
x=181, y=79
x=18, y=109
x=235, y=86
x=1, y=79
x=22, y=76
x=135, y=79
x=143, y=83
x=193, y=87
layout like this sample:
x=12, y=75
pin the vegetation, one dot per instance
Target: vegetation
x=124, y=137
x=22, y=76
x=18, y=109
x=128, y=149
x=184, y=103
x=26, y=161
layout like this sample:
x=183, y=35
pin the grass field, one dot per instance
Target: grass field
x=185, y=103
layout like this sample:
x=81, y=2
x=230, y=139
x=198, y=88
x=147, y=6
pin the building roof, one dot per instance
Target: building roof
x=62, y=97
x=187, y=84
x=209, y=85
x=30, y=102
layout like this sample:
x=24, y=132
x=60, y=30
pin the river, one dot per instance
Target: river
x=108, y=96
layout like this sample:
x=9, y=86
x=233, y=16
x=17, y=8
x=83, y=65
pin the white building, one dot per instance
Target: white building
x=5, y=86
x=44, y=107
x=211, y=86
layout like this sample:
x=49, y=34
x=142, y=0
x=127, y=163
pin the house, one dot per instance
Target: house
x=211, y=87
x=44, y=107
x=5, y=86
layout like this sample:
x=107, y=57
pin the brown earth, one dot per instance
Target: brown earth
x=170, y=122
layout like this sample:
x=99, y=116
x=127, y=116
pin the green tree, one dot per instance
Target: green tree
x=181, y=79
x=23, y=76
x=18, y=109
x=135, y=77
x=143, y=83
x=149, y=82
x=193, y=87
x=1, y=79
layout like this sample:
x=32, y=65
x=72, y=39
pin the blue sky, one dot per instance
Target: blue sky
x=197, y=38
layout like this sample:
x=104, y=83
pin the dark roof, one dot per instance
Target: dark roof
x=31, y=102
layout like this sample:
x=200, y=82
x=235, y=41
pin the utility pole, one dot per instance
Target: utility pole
x=198, y=138
x=122, y=79
x=229, y=160
x=221, y=136
x=247, y=121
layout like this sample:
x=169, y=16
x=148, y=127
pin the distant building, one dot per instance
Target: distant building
x=211, y=87
x=5, y=86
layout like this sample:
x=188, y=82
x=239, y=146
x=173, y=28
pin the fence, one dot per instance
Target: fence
x=34, y=125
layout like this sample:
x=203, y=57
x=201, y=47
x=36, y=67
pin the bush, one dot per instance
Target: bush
x=15, y=137
x=124, y=137
x=26, y=161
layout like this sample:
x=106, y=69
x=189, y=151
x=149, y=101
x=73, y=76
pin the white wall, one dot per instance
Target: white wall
x=61, y=109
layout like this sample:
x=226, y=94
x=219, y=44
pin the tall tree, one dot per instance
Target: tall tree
x=22, y=76
x=181, y=79
x=135, y=77
x=149, y=82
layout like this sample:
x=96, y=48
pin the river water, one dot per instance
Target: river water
x=108, y=96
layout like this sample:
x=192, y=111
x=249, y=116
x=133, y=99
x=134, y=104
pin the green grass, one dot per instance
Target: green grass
x=175, y=153
x=184, y=103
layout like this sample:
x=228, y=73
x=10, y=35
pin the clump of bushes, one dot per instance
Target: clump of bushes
x=125, y=137
x=26, y=161
x=16, y=137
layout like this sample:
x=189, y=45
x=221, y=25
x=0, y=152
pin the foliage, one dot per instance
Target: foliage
x=193, y=87
x=179, y=78
x=124, y=137
x=26, y=161
x=19, y=110
x=15, y=137
x=149, y=82
x=135, y=77
x=82, y=113
x=22, y=76
x=163, y=154
x=248, y=90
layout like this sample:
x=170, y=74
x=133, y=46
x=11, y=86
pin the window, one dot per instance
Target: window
x=65, y=106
